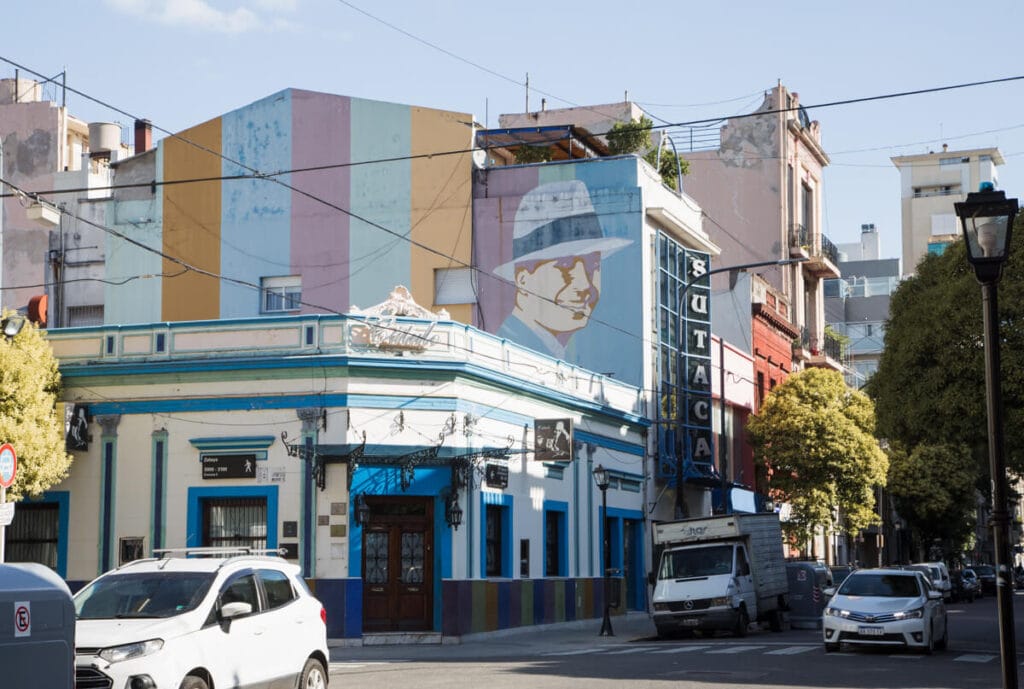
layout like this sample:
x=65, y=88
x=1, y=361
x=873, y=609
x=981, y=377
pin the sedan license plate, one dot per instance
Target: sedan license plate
x=870, y=631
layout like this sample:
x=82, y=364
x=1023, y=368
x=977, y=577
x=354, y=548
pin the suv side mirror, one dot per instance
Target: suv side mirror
x=237, y=609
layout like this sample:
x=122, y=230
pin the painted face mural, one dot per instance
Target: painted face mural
x=558, y=245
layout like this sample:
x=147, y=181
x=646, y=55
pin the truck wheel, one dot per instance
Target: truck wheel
x=742, y=622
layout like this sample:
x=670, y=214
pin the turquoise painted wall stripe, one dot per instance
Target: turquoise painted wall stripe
x=381, y=194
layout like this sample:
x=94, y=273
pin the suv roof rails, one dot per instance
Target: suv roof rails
x=215, y=551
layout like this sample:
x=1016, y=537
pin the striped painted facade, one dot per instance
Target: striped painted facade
x=350, y=228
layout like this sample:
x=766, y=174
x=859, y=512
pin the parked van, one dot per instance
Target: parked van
x=719, y=573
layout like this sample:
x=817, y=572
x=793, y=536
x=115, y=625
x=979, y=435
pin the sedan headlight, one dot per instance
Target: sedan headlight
x=914, y=614
x=836, y=612
x=115, y=654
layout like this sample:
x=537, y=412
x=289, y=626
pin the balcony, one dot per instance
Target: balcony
x=821, y=254
x=826, y=352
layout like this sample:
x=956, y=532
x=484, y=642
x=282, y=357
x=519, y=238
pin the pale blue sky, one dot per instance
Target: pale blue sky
x=181, y=62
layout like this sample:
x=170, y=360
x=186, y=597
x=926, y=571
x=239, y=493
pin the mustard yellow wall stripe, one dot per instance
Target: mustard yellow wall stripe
x=442, y=201
x=191, y=228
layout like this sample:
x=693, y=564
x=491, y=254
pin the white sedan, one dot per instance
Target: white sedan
x=885, y=607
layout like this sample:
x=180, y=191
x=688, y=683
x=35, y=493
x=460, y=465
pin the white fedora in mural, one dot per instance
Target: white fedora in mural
x=554, y=220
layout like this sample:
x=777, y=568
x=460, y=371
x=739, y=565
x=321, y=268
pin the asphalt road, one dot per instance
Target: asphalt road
x=573, y=655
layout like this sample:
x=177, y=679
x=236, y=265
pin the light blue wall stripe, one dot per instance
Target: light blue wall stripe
x=133, y=301
x=381, y=194
x=255, y=227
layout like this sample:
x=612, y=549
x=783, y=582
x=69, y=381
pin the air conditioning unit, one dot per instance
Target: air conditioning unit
x=43, y=213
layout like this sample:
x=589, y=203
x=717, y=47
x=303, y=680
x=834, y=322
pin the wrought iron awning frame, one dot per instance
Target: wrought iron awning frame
x=465, y=467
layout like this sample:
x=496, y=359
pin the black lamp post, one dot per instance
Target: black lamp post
x=601, y=479
x=987, y=218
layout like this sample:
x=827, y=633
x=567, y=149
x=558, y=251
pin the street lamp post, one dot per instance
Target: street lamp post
x=601, y=479
x=987, y=218
x=680, y=508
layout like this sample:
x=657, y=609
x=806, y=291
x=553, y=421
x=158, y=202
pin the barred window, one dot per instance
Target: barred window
x=32, y=536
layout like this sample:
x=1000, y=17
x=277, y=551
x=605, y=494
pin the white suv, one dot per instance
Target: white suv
x=176, y=622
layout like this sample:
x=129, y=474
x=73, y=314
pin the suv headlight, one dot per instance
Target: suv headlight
x=914, y=614
x=115, y=654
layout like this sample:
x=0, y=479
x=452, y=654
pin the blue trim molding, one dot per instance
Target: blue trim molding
x=608, y=443
x=256, y=442
x=108, y=479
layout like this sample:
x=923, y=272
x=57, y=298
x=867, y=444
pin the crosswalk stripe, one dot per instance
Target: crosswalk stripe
x=627, y=651
x=736, y=649
x=790, y=651
x=682, y=649
x=974, y=658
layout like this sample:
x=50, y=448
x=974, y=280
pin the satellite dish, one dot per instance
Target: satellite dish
x=479, y=157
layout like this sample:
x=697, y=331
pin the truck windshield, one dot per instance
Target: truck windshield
x=696, y=562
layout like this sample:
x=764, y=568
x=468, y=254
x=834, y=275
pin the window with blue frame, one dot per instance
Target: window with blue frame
x=494, y=543
x=33, y=535
x=555, y=546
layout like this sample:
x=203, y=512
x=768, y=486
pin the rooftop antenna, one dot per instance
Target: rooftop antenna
x=527, y=92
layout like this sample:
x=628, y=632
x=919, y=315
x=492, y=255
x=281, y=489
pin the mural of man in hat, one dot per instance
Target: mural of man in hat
x=557, y=248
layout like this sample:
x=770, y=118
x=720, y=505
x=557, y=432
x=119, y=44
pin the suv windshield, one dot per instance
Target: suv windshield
x=148, y=594
x=880, y=585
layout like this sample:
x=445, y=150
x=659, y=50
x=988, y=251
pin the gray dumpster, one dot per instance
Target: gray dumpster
x=806, y=598
x=37, y=628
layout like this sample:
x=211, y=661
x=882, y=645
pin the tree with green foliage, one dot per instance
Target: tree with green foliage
x=635, y=137
x=929, y=389
x=29, y=385
x=933, y=488
x=816, y=435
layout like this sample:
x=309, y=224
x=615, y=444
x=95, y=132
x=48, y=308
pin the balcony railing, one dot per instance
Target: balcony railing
x=801, y=236
x=829, y=345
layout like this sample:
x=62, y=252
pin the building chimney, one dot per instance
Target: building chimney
x=143, y=136
x=945, y=147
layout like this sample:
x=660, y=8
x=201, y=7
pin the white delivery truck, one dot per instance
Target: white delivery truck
x=719, y=573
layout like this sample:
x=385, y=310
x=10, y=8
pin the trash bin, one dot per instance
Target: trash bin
x=807, y=580
x=37, y=628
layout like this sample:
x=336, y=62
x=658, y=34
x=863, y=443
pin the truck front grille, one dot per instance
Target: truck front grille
x=688, y=605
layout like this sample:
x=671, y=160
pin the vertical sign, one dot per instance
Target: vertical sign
x=698, y=359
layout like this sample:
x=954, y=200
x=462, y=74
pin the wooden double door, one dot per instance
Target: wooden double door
x=398, y=565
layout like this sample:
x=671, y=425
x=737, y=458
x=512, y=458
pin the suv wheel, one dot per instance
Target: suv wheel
x=193, y=682
x=313, y=675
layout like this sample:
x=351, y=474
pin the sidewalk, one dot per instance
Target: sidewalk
x=628, y=627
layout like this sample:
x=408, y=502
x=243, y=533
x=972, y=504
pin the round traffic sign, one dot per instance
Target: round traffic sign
x=8, y=465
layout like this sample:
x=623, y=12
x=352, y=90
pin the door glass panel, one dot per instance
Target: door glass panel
x=377, y=557
x=412, y=558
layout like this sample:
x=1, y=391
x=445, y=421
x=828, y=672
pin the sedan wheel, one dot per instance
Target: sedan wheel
x=943, y=643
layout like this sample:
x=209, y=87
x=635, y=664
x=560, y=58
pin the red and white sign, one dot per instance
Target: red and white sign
x=8, y=465
x=23, y=618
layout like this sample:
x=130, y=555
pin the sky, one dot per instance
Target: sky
x=182, y=62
